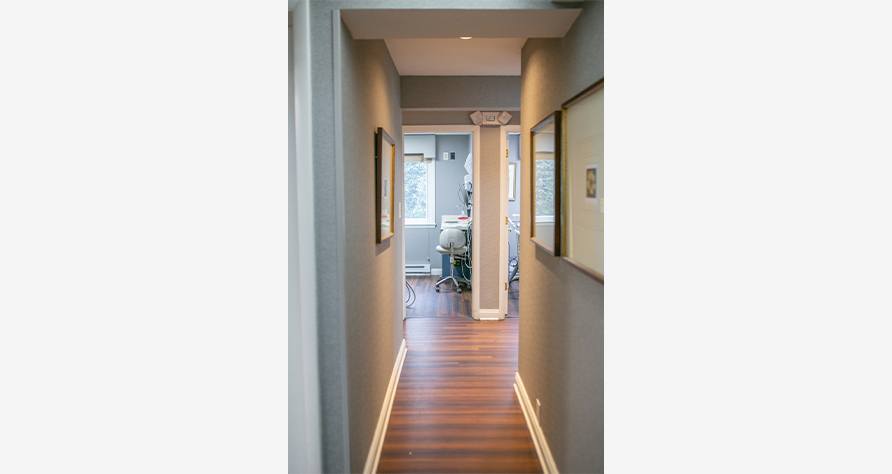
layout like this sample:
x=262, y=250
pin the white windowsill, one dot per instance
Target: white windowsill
x=420, y=226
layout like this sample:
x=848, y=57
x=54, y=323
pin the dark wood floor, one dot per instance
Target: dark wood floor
x=448, y=303
x=455, y=409
x=430, y=304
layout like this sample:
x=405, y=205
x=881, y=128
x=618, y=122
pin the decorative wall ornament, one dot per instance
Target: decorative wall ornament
x=490, y=118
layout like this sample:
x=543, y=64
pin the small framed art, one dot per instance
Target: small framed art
x=385, y=161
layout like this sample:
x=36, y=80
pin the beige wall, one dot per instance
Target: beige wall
x=561, y=358
x=488, y=218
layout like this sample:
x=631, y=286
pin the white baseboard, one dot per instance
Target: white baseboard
x=371, y=461
x=436, y=271
x=490, y=314
x=529, y=413
x=418, y=268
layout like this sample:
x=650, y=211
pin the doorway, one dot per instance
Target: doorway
x=438, y=195
x=513, y=192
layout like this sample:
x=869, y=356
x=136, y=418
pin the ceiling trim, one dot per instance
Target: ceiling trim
x=459, y=109
x=420, y=23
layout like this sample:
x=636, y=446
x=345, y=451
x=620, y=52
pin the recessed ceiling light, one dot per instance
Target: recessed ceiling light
x=465, y=37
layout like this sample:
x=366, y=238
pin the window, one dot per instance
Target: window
x=420, y=189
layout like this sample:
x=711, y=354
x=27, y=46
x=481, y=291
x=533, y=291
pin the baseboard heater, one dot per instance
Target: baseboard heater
x=418, y=269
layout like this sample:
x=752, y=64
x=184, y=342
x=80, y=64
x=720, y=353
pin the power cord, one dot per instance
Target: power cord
x=410, y=295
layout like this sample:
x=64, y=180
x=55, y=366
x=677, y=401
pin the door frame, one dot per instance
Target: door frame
x=474, y=131
x=503, y=198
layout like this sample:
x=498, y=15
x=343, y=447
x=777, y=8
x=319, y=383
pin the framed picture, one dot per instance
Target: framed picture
x=591, y=182
x=385, y=161
x=583, y=245
x=512, y=181
x=545, y=183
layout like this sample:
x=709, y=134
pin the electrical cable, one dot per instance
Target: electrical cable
x=410, y=296
x=461, y=268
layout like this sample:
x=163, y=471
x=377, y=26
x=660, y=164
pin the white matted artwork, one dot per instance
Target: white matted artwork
x=385, y=160
x=591, y=183
x=584, y=172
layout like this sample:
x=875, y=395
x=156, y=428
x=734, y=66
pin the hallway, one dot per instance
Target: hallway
x=455, y=408
x=424, y=122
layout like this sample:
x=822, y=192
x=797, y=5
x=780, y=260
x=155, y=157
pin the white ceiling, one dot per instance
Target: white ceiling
x=456, y=57
x=426, y=43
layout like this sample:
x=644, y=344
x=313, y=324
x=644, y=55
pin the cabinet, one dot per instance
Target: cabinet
x=420, y=144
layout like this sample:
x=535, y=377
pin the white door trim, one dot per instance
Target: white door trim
x=474, y=131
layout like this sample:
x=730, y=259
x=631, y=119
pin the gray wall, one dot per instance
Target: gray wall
x=450, y=174
x=329, y=242
x=421, y=241
x=446, y=117
x=561, y=355
x=359, y=330
x=373, y=305
x=457, y=97
x=304, y=443
x=467, y=92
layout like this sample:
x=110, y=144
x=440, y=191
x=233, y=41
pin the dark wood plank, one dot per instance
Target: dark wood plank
x=455, y=409
x=430, y=304
x=447, y=303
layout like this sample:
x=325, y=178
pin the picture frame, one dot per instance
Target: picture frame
x=591, y=183
x=583, y=161
x=545, y=182
x=385, y=168
x=512, y=181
